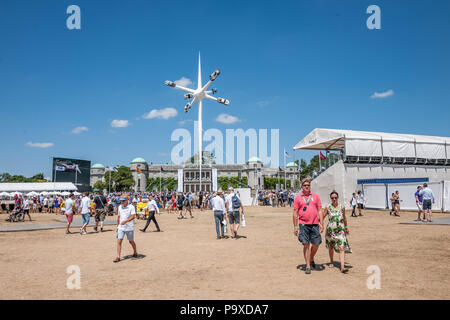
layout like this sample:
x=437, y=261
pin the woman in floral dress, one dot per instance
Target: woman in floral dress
x=337, y=230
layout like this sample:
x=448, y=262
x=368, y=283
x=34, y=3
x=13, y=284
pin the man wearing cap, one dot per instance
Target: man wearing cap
x=233, y=204
x=218, y=206
x=125, y=225
x=308, y=222
x=152, y=207
x=100, y=211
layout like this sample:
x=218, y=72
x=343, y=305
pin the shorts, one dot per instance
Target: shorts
x=419, y=206
x=121, y=234
x=234, y=217
x=86, y=217
x=100, y=215
x=180, y=208
x=427, y=204
x=309, y=233
x=69, y=217
x=26, y=211
x=360, y=206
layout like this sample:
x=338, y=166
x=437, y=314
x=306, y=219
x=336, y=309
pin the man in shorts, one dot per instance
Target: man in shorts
x=308, y=223
x=70, y=203
x=419, y=204
x=100, y=203
x=233, y=207
x=85, y=209
x=125, y=226
x=428, y=199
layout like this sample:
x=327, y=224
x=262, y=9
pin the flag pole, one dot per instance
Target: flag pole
x=284, y=168
x=320, y=163
x=160, y=177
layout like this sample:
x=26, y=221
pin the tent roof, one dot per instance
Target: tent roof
x=334, y=139
x=37, y=186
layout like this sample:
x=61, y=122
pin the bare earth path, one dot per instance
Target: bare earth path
x=185, y=261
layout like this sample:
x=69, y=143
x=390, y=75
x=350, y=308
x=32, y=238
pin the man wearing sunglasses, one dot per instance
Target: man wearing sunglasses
x=308, y=223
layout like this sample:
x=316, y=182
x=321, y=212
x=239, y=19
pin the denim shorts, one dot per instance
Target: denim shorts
x=309, y=233
x=86, y=217
x=427, y=204
x=121, y=234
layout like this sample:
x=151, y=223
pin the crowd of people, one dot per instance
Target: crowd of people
x=308, y=213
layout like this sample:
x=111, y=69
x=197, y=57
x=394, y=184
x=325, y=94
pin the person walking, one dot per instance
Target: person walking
x=85, y=209
x=396, y=204
x=26, y=208
x=234, y=207
x=308, y=224
x=70, y=203
x=360, y=200
x=336, y=231
x=100, y=211
x=419, y=204
x=428, y=199
x=179, y=203
x=126, y=215
x=219, y=209
x=353, y=203
x=152, y=208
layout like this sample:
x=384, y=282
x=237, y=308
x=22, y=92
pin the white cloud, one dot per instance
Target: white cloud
x=40, y=144
x=382, y=94
x=227, y=119
x=120, y=123
x=79, y=130
x=262, y=103
x=165, y=113
x=184, y=82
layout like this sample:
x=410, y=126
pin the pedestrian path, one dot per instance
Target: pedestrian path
x=77, y=222
x=438, y=221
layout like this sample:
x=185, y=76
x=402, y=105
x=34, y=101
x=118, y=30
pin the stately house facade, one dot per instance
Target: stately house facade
x=188, y=175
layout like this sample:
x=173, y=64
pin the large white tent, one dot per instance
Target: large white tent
x=377, y=144
x=27, y=187
x=380, y=163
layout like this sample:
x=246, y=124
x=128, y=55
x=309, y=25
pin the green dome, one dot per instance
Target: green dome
x=254, y=159
x=98, y=166
x=138, y=160
x=291, y=164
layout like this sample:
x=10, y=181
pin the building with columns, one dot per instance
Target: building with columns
x=254, y=170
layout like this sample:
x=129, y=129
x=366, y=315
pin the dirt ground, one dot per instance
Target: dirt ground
x=186, y=261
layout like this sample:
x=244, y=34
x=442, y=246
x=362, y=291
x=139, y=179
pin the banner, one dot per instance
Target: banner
x=180, y=180
x=214, y=179
x=72, y=170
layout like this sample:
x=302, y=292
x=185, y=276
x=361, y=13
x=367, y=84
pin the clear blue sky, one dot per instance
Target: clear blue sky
x=291, y=65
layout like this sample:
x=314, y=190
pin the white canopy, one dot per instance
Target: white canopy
x=376, y=144
x=65, y=193
x=37, y=186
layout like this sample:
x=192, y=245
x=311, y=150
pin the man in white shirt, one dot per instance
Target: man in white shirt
x=26, y=208
x=233, y=204
x=428, y=198
x=85, y=209
x=46, y=205
x=152, y=207
x=69, y=212
x=360, y=200
x=218, y=206
x=125, y=225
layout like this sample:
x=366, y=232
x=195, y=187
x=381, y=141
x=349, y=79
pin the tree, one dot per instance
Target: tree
x=100, y=185
x=225, y=182
x=122, y=180
x=6, y=177
x=169, y=183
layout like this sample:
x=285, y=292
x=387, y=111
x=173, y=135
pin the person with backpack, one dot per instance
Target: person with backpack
x=179, y=203
x=234, y=206
x=187, y=204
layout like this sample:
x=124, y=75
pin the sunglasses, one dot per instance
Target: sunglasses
x=306, y=185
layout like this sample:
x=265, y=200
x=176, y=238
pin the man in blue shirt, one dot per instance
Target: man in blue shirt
x=419, y=200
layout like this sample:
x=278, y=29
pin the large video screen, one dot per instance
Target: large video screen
x=72, y=170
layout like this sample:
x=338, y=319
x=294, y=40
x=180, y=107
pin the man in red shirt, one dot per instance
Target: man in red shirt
x=308, y=222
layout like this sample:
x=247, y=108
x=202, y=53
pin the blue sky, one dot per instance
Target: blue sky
x=288, y=65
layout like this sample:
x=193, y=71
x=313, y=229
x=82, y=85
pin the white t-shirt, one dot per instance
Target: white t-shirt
x=124, y=214
x=353, y=201
x=69, y=206
x=85, y=205
x=26, y=204
x=218, y=204
x=45, y=201
x=360, y=199
x=229, y=201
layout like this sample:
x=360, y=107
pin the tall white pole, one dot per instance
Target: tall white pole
x=200, y=129
x=285, y=168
